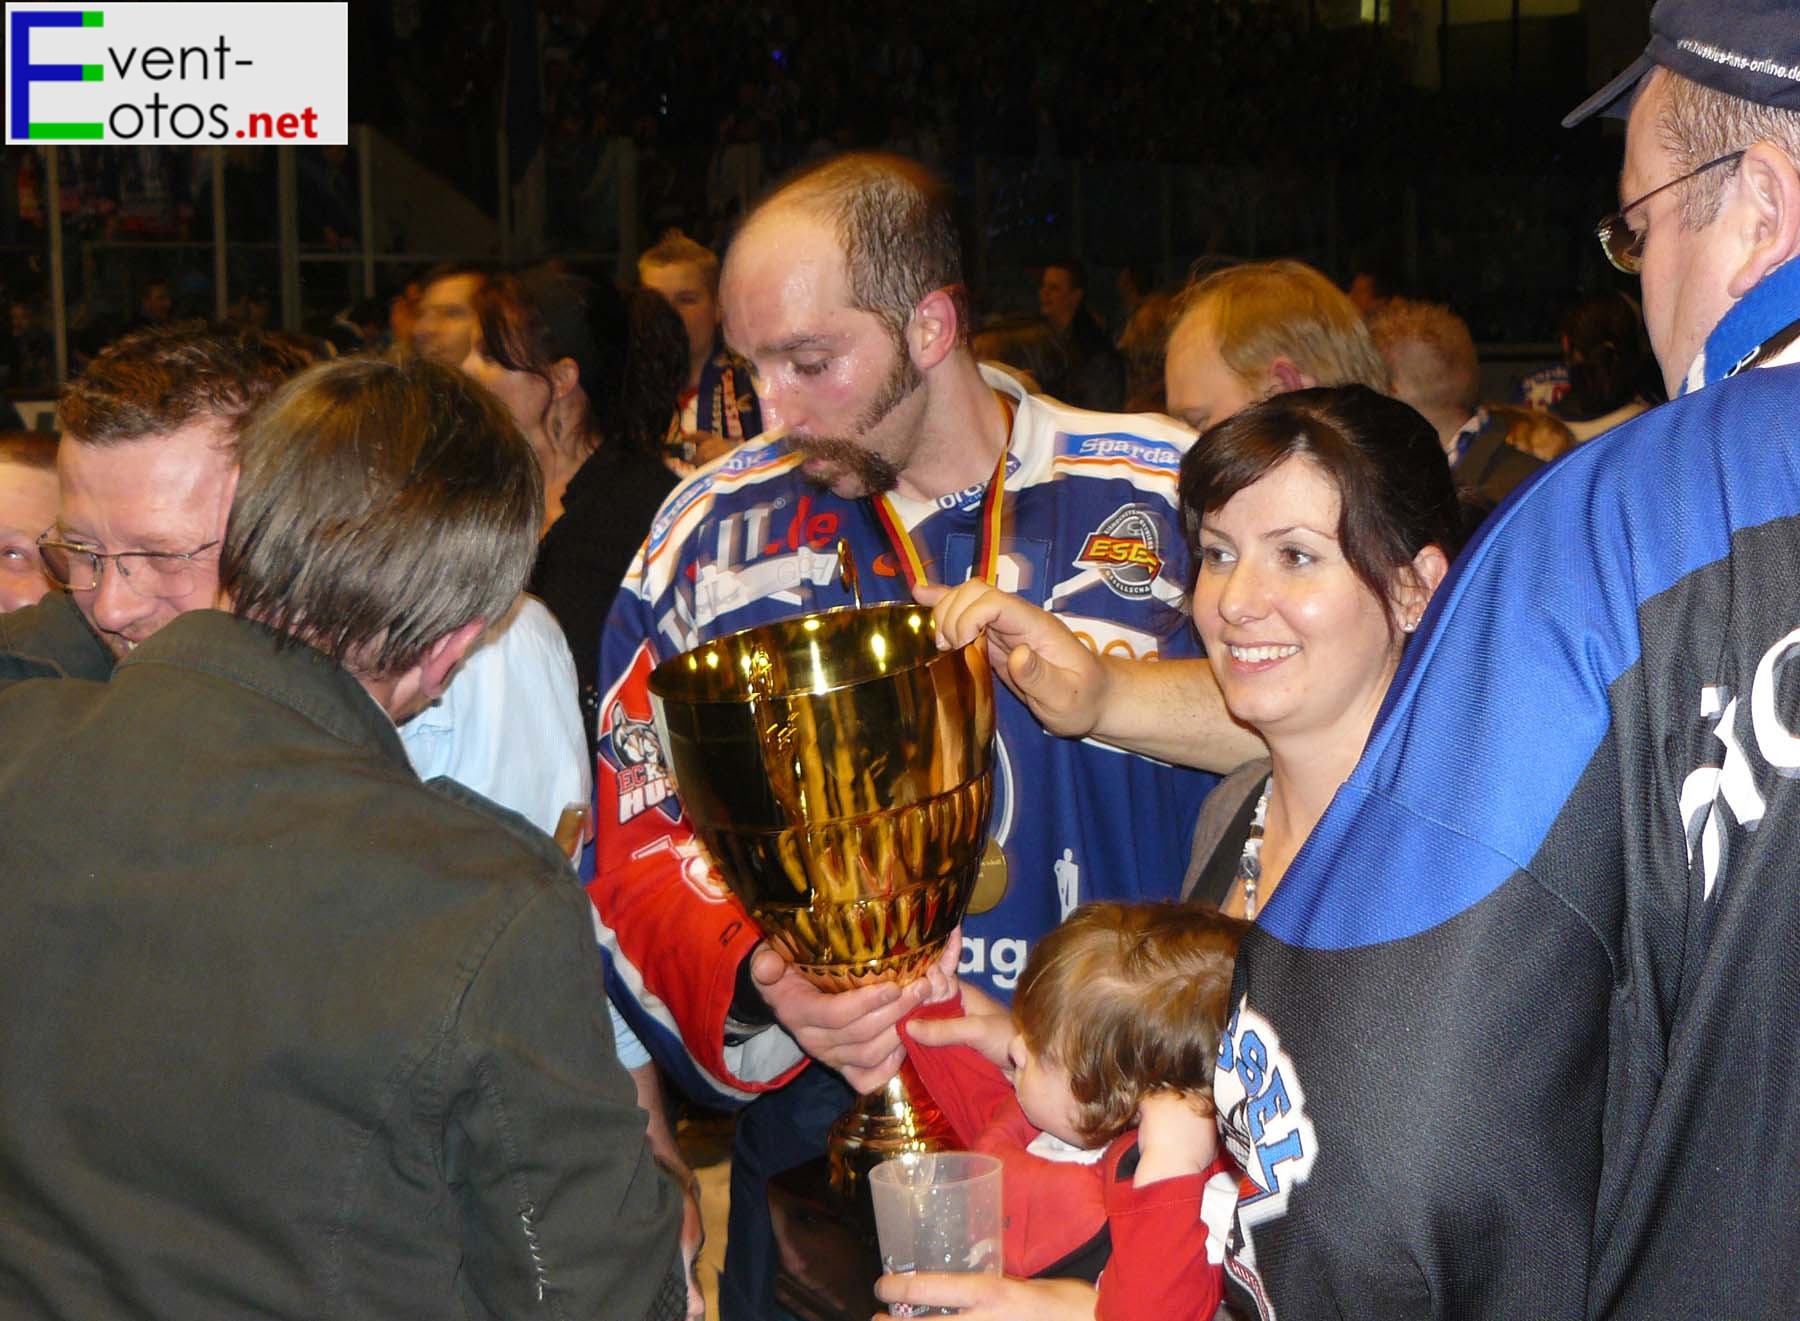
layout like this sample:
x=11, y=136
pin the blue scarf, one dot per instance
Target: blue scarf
x=1756, y=318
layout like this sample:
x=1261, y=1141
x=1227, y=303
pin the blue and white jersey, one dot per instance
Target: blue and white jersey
x=1519, y=1033
x=1090, y=531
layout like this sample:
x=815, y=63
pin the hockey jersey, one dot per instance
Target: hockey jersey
x=1519, y=1034
x=1089, y=531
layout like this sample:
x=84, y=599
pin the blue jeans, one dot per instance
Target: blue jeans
x=774, y=1133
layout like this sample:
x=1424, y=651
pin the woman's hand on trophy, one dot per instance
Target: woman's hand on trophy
x=991, y=1297
x=853, y=1032
x=1034, y=653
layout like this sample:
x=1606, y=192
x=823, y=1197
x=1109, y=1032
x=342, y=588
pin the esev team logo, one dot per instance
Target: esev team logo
x=1126, y=551
x=1264, y=1125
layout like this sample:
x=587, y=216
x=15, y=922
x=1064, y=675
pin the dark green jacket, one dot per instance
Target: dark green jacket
x=286, y=1033
x=51, y=640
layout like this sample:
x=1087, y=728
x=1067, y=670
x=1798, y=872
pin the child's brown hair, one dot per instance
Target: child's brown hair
x=1130, y=999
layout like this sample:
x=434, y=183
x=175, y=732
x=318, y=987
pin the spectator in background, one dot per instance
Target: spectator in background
x=156, y=306
x=1612, y=377
x=1096, y=374
x=1247, y=332
x=553, y=347
x=1135, y=282
x=446, y=329
x=1431, y=355
x=366, y=319
x=328, y=198
x=29, y=360
x=1532, y=431
x=1143, y=345
x=1368, y=289
x=252, y=309
x=403, y=312
x=656, y=367
x=1026, y=345
x=27, y=510
x=719, y=408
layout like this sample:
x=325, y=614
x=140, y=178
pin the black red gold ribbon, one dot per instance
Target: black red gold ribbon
x=993, y=507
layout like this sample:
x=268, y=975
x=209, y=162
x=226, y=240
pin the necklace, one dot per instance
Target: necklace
x=1249, y=872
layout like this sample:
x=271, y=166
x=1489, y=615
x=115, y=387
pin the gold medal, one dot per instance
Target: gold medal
x=990, y=882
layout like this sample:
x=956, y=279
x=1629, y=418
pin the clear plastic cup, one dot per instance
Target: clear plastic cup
x=937, y=1211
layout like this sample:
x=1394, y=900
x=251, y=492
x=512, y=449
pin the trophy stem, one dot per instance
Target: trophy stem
x=896, y=1118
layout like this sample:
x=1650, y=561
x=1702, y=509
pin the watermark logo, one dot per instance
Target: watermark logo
x=174, y=74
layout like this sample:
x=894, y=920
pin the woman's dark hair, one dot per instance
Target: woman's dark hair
x=1393, y=482
x=656, y=369
x=1607, y=356
x=532, y=320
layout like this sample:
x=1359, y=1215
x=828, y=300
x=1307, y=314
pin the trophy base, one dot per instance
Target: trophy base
x=898, y=1118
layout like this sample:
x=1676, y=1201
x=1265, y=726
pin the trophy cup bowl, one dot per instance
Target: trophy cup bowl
x=837, y=768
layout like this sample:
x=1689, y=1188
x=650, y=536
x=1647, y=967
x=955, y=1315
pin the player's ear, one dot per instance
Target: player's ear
x=934, y=329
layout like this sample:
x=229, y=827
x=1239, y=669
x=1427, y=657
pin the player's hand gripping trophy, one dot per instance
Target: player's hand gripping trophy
x=837, y=769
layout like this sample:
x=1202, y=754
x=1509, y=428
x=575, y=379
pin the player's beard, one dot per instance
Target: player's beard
x=875, y=474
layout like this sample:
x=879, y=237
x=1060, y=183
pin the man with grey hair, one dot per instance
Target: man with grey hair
x=1257, y=329
x=263, y=987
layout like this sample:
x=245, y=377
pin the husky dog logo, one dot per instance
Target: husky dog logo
x=1126, y=551
x=630, y=747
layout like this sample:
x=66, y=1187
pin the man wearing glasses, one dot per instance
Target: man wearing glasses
x=146, y=472
x=147, y=464
x=288, y=1032
x=1517, y=1037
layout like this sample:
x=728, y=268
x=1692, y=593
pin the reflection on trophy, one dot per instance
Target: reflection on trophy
x=837, y=768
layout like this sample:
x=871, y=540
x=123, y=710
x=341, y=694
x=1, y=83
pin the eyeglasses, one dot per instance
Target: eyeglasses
x=150, y=572
x=1623, y=246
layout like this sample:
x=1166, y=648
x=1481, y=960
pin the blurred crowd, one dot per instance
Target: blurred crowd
x=1370, y=727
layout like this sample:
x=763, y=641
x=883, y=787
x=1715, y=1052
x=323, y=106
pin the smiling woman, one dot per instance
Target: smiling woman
x=1321, y=523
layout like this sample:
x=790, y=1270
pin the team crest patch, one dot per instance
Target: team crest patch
x=1126, y=551
x=631, y=758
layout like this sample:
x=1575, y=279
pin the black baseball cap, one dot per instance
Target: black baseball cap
x=1749, y=49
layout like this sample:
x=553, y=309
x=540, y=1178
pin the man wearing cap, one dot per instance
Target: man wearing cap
x=1517, y=1035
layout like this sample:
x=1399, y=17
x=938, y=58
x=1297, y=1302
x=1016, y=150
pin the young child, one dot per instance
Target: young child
x=1104, y=1120
x=27, y=508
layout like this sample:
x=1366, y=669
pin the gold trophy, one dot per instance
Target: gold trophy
x=837, y=768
